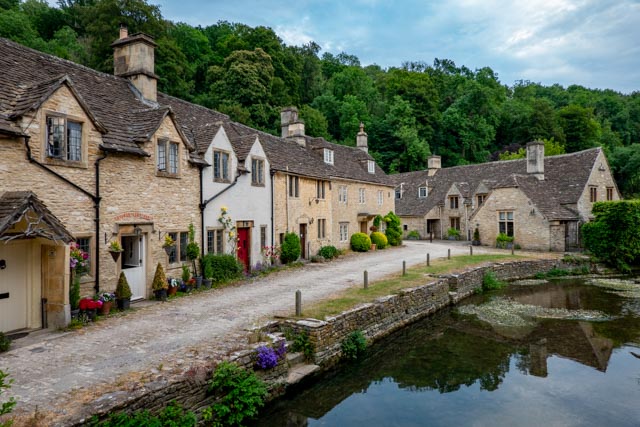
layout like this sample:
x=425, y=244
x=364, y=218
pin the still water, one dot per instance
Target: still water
x=560, y=353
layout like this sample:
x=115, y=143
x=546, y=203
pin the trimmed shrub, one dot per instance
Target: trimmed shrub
x=290, y=249
x=379, y=239
x=242, y=394
x=453, y=232
x=354, y=345
x=222, y=267
x=503, y=240
x=207, y=267
x=123, y=291
x=394, y=229
x=413, y=235
x=614, y=235
x=159, y=279
x=360, y=242
x=328, y=252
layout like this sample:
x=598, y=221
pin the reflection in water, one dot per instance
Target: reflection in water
x=456, y=370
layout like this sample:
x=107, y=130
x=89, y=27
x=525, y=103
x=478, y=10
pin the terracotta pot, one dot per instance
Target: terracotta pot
x=106, y=308
x=172, y=290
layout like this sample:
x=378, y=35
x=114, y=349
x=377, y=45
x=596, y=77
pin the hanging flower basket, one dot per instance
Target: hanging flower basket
x=115, y=255
x=168, y=249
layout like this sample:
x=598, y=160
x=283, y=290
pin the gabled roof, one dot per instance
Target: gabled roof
x=565, y=177
x=114, y=105
x=16, y=206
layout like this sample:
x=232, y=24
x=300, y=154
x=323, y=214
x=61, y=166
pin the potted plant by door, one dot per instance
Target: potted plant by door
x=168, y=244
x=476, y=237
x=173, y=285
x=160, y=284
x=186, y=279
x=453, y=233
x=193, y=252
x=107, y=302
x=123, y=293
x=207, y=270
x=115, y=250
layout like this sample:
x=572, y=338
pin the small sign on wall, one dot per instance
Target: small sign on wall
x=52, y=253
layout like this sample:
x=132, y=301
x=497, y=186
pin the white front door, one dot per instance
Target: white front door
x=133, y=264
x=13, y=286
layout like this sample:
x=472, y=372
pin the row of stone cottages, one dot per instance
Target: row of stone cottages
x=538, y=201
x=95, y=158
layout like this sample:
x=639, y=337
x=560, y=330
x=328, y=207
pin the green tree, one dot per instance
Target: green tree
x=580, y=128
x=315, y=122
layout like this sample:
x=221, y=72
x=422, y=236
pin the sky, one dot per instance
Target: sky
x=593, y=43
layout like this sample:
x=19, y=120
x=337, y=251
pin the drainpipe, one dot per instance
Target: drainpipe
x=204, y=204
x=201, y=206
x=272, y=173
x=97, y=201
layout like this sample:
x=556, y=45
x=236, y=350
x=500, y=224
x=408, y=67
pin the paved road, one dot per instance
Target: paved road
x=65, y=367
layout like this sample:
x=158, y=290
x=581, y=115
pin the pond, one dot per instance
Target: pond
x=564, y=352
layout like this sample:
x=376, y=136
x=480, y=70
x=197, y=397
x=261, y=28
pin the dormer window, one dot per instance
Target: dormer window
x=64, y=139
x=371, y=166
x=328, y=156
x=422, y=192
x=167, y=158
x=398, y=193
x=220, y=166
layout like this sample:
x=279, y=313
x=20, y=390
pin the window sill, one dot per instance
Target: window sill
x=254, y=184
x=54, y=161
x=222, y=181
x=164, y=174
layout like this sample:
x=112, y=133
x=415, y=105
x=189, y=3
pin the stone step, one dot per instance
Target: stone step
x=298, y=372
x=295, y=359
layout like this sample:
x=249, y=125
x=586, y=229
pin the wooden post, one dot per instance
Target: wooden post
x=366, y=279
x=404, y=268
x=298, y=303
x=428, y=262
x=513, y=246
x=448, y=253
x=471, y=250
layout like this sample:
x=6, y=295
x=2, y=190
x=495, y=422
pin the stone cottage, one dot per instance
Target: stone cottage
x=539, y=201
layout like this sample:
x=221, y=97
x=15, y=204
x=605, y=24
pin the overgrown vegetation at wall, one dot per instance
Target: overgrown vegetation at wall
x=5, y=407
x=410, y=110
x=221, y=267
x=171, y=416
x=354, y=345
x=614, y=235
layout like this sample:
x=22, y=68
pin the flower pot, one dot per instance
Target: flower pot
x=188, y=288
x=168, y=249
x=373, y=246
x=206, y=283
x=198, y=281
x=123, y=303
x=172, y=290
x=161, y=294
x=75, y=314
x=91, y=314
x=475, y=242
x=106, y=307
x=115, y=255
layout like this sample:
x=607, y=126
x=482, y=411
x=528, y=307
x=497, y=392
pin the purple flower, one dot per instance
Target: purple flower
x=266, y=358
x=281, y=350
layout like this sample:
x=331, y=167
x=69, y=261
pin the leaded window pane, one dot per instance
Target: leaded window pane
x=173, y=158
x=74, y=141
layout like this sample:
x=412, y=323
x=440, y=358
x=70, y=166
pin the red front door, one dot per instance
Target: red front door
x=244, y=247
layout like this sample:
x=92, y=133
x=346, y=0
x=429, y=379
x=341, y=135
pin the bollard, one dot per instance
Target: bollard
x=298, y=303
x=471, y=250
x=366, y=279
x=428, y=261
x=512, y=248
x=431, y=237
x=404, y=268
x=448, y=253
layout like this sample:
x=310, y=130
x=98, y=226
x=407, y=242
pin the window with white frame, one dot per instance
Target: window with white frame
x=344, y=231
x=320, y=189
x=328, y=156
x=220, y=165
x=371, y=166
x=64, y=139
x=257, y=172
x=322, y=228
x=294, y=186
x=380, y=197
x=505, y=222
x=361, y=195
x=422, y=192
x=167, y=157
x=342, y=194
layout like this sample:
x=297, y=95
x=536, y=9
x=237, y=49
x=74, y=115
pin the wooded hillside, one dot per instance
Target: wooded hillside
x=409, y=111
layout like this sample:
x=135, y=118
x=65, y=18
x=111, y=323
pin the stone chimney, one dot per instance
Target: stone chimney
x=535, y=159
x=362, y=139
x=291, y=126
x=134, y=58
x=433, y=164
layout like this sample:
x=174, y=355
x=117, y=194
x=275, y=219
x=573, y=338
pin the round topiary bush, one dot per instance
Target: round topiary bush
x=379, y=239
x=328, y=252
x=360, y=242
x=290, y=249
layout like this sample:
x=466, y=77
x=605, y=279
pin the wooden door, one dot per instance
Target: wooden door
x=244, y=247
x=303, y=240
x=133, y=265
x=13, y=286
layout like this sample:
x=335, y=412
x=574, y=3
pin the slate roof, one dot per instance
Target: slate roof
x=14, y=205
x=565, y=177
x=126, y=120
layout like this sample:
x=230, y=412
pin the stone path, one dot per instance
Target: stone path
x=63, y=369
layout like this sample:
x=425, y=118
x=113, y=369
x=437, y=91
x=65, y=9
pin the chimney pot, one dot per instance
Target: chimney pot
x=124, y=31
x=433, y=164
x=362, y=139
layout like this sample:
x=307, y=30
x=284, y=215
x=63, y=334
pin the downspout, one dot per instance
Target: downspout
x=204, y=204
x=97, y=201
x=273, y=230
x=201, y=206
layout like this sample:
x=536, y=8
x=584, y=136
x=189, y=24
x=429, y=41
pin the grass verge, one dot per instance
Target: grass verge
x=416, y=276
